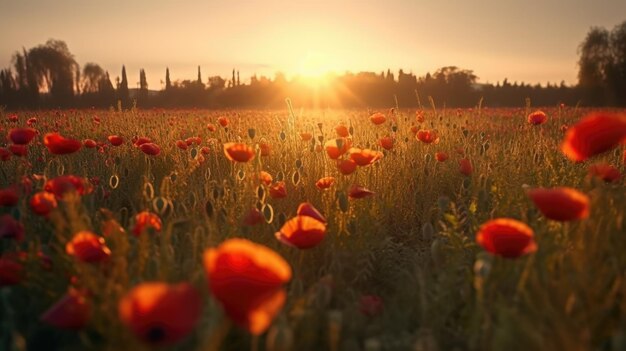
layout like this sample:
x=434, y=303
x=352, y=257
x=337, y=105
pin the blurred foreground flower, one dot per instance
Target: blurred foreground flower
x=72, y=311
x=594, y=134
x=561, y=203
x=506, y=237
x=247, y=279
x=161, y=314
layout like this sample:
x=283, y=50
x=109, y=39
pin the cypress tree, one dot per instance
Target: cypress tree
x=168, y=82
x=122, y=92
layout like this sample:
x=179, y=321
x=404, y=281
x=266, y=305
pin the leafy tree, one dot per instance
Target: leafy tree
x=92, y=77
x=594, y=62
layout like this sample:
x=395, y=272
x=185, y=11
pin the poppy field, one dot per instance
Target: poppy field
x=427, y=229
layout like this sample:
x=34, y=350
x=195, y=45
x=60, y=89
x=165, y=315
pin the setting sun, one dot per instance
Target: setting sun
x=314, y=65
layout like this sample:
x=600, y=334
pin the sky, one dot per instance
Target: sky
x=534, y=41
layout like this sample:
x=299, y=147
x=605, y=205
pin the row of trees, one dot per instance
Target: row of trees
x=602, y=63
x=47, y=76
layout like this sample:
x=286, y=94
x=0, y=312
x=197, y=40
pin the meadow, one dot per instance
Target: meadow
x=312, y=229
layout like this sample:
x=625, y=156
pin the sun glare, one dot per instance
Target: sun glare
x=314, y=65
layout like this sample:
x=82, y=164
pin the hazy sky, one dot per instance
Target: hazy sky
x=532, y=40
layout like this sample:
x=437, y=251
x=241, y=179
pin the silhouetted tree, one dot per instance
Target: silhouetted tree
x=217, y=82
x=168, y=82
x=93, y=74
x=143, y=82
x=48, y=68
x=123, y=94
x=594, y=62
x=617, y=69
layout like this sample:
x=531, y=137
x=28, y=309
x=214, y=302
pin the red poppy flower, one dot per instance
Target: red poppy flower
x=378, y=118
x=414, y=130
x=427, y=136
x=465, y=167
x=72, y=311
x=150, y=149
x=265, y=178
x=211, y=127
x=605, y=171
x=364, y=157
x=325, y=183
x=419, y=116
x=89, y=143
x=247, y=279
x=42, y=203
x=22, y=136
x=59, y=145
x=278, y=190
x=306, y=209
x=18, y=150
x=441, y=156
x=223, y=121
x=115, y=140
x=62, y=184
x=5, y=154
x=337, y=147
x=342, y=131
x=594, y=134
x=359, y=192
x=253, y=217
x=506, y=237
x=371, y=305
x=537, y=117
x=146, y=220
x=386, y=142
x=306, y=136
x=265, y=148
x=11, y=270
x=10, y=228
x=302, y=231
x=561, y=204
x=9, y=197
x=182, y=145
x=31, y=121
x=141, y=140
x=88, y=247
x=205, y=150
x=347, y=166
x=238, y=152
x=161, y=314
x=193, y=140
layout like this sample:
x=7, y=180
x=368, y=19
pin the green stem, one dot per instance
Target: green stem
x=217, y=336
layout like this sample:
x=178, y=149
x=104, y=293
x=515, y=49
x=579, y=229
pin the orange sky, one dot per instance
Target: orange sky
x=532, y=41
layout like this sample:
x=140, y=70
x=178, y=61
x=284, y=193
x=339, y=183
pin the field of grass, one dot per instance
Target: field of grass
x=400, y=269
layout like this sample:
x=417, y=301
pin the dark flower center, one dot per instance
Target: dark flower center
x=155, y=334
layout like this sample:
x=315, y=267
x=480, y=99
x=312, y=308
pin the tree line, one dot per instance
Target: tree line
x=48, y=76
